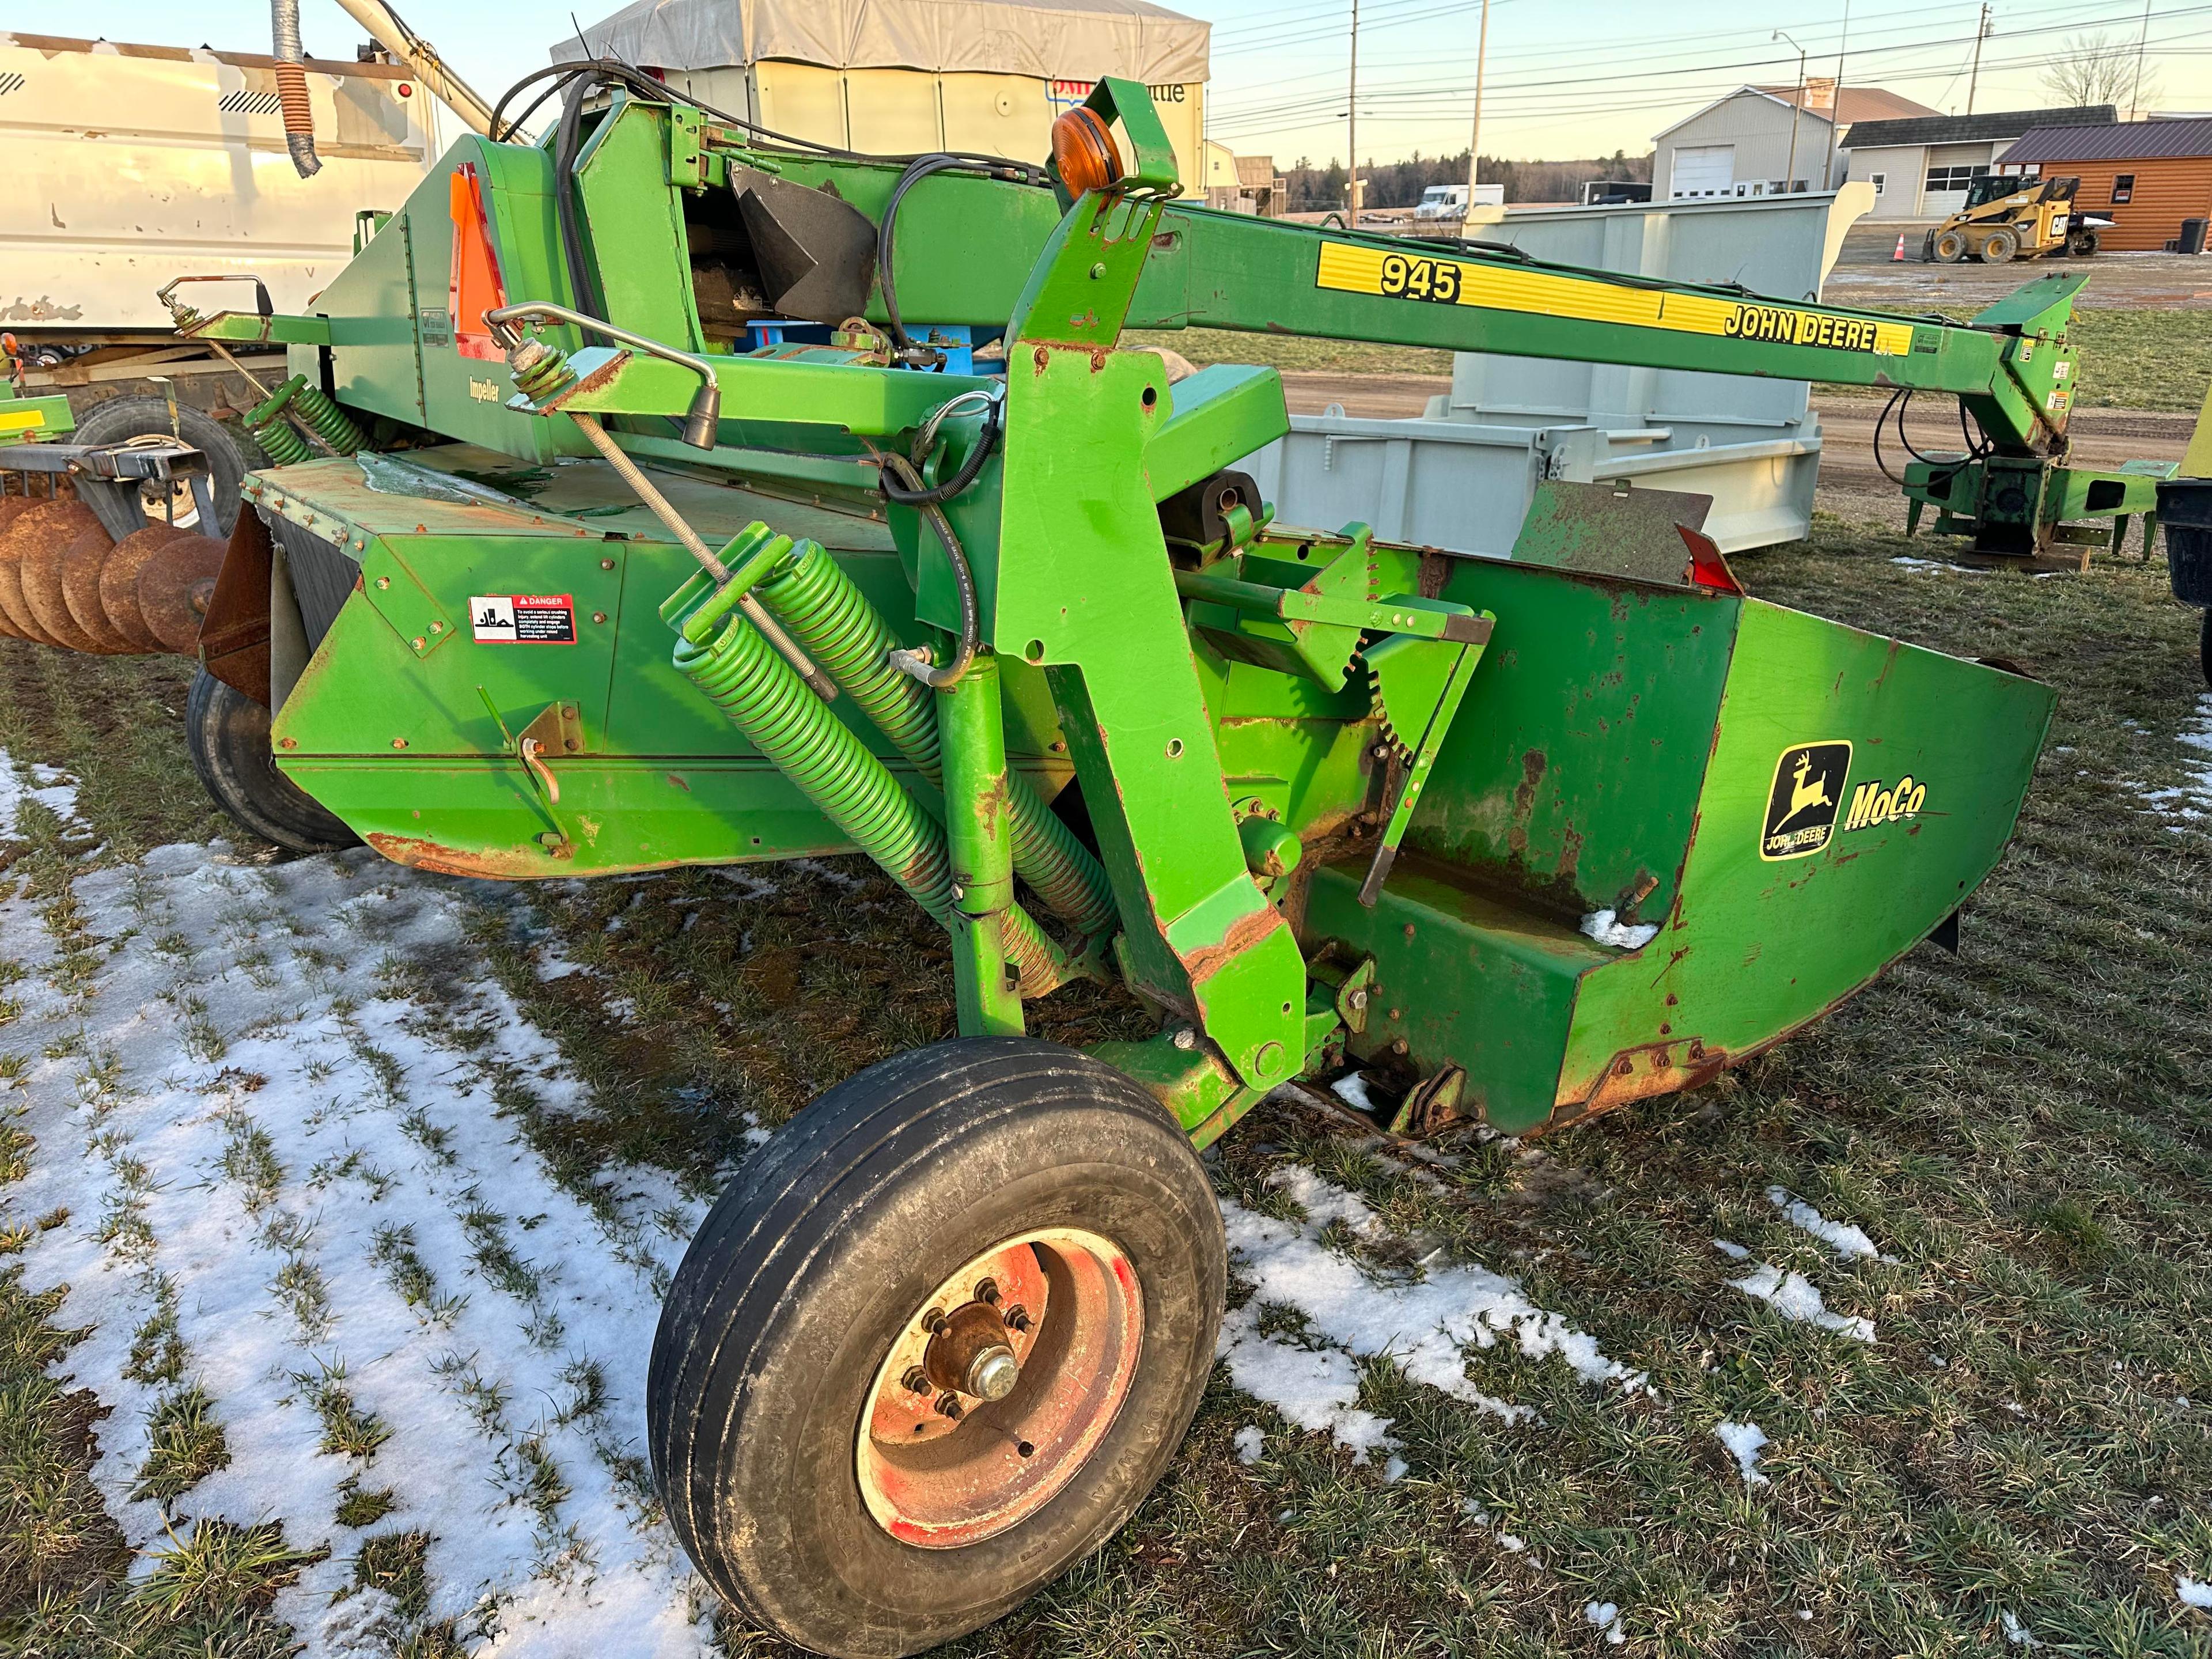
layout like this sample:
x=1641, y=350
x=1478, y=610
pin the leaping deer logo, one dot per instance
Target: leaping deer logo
x=1807, y=791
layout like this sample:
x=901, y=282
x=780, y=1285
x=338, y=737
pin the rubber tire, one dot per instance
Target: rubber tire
x=2000, y=248
x=2081, y=244
x=229, y=456
x=228, y=733
x=821, y=1249
x=1950, y=248
x=2204, y=646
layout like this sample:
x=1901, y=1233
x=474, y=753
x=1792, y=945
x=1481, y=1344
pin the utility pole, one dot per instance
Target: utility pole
x=1352, y=115
x=1836, y=108
x=2134, y=98
x=1797, y=114
x=1980, y=35
x=1474, y=140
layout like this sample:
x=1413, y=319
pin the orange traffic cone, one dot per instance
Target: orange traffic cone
x=1898, y=257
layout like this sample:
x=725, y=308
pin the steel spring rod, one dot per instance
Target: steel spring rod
x=833, y=621
x=765, y=699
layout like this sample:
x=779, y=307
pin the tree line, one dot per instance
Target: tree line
x=1310, y=188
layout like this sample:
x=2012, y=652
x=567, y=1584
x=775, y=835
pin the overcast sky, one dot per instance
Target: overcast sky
x=1566, y=77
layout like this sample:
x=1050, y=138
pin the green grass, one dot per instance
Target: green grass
x=2026, y=1126
x=2149, y=359
x=2159, y=360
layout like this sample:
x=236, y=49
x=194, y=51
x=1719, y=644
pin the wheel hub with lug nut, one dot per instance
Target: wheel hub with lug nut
x=999, y=1388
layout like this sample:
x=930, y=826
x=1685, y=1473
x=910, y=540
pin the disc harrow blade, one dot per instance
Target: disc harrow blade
x=41, y=562
x=118, y=583
x=174, y=588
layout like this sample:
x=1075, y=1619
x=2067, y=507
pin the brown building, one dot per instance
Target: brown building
x=2145, y=176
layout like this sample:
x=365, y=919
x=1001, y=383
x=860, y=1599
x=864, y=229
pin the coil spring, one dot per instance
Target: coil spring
x=308, y=404
x=184, y=317
x=780, y=716
x=279, y=442
x=337, y=427
x=833, y=621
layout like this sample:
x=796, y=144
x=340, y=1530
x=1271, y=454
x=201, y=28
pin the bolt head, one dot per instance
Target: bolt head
x=383, y=582
x=948, y=1404
x=992, y=1373
x=914, y=1380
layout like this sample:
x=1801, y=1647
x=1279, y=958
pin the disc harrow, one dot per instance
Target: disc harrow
x=66, y=582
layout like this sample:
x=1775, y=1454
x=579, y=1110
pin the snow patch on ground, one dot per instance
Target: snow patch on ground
x=1795, y=1297
x=1603, y=926
x=2193, y=1592
x=1606, y=1616
x=1251, y=1440
x=2015, y=1632
x=1352, y=1090
x=1744, y=1441
x=49, y=786
x=1425, y=1326
x=1849, y=1242
x=289, y=1187
x=1939, y=564
x=2191, y=801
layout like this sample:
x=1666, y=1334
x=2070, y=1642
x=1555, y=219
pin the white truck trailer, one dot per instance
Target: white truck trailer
x=137, y=165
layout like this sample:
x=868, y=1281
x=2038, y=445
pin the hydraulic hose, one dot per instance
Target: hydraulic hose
x=917, y=663
x=292, y=86
x=833, y=621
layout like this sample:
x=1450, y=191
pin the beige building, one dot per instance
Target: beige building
x=897, y=78
x=1921, y=167
x=1241, y=183
x=1742, y=145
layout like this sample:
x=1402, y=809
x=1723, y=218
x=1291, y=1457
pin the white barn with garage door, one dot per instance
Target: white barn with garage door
x=1740, y=145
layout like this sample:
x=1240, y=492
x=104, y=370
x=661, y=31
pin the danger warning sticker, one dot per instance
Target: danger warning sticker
x=523, y=618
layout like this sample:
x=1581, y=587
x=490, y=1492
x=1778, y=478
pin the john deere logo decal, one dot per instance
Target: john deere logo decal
x=1801, y=809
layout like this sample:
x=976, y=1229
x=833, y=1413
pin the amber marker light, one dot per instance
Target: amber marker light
x=1085, y=152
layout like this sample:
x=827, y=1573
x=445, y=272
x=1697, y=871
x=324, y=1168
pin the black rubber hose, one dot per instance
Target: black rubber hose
x=986, y=441
x=567, y=141
x=926, y=166
x=964, y=578
x=1881, y=421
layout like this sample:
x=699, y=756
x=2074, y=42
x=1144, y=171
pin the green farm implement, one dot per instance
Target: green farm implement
x=711, y=499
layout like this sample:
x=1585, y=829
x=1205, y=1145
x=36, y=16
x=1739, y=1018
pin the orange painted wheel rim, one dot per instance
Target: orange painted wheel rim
x=942, y=1468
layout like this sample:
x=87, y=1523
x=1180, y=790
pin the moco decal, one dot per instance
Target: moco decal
x=1802, y=805
x=1875, y=803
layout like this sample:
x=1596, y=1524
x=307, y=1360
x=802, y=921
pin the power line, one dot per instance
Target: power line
x=1242, y=117
x=2088, y=16
x=1614, y=106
